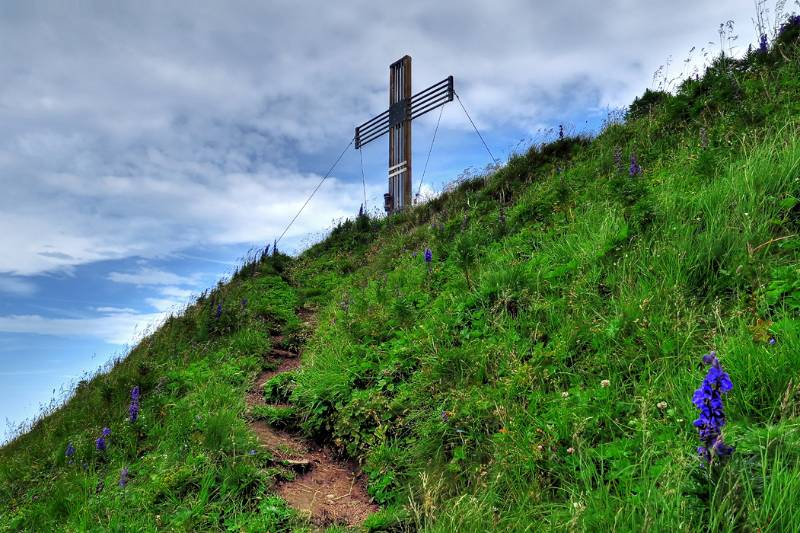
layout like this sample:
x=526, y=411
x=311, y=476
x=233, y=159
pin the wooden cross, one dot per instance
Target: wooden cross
x=396, y=121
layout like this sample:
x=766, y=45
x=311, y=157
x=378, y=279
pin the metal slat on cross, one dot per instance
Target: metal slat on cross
x=396, y=121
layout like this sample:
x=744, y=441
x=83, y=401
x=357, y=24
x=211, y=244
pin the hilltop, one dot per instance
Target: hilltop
x=536, y=374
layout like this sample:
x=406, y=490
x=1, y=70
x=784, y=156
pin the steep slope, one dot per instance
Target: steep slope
x=536, y=374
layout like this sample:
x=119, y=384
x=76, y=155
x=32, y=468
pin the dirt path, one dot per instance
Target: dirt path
x=327, y=490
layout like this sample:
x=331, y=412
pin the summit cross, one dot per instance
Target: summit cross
x=396, y=121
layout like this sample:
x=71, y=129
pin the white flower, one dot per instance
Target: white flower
x=570, y=450
x=605, y=383
x=565, y=394
x=661, y=405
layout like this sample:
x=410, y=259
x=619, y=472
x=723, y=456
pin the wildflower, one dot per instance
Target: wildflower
x=570, y=450
x=560, y=131
x=540, y=448
x=618, y=158
x=763, y=47
x=133, y=410
x=106, y=432
x=503, y=430
x=605, y=383
x=428, y=255
x=446, y=415
x=100, y=444
x=123, y=477
x=661, y=405
x=772, y=341
x=634, y=169
x=219, y=311
x=251, y=452
x=70, y=450
x=708, y=399
x=565, y=394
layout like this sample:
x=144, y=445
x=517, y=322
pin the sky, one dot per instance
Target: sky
x=147, y=146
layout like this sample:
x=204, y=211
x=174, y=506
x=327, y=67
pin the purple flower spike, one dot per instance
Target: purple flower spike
x=635, y=169
x=428, y=255
x=70, y=450
x=106, y=432
x=708, y=400
x=100, y=444
x=133, y=410
x=219, y=311
x=123, y=477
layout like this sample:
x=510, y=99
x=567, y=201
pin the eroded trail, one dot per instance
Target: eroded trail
x=328, y=490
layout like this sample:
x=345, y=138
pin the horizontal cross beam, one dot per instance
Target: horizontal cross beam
x=423, y=102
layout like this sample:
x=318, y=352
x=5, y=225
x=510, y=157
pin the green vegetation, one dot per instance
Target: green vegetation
x=538, y=376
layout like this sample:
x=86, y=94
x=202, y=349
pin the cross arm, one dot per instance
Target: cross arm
x=423, y=102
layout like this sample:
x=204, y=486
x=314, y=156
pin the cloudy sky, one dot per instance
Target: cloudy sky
x=145, y=146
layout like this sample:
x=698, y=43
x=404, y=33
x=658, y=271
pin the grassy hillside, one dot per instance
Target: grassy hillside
x=537, y=374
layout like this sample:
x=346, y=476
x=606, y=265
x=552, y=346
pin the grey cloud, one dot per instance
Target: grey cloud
x=149, y=127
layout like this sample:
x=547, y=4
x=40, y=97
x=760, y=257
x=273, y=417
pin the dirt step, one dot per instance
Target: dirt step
x=283, y=354
x=330, y=493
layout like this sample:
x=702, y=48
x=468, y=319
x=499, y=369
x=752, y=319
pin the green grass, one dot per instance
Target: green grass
x=472, y=391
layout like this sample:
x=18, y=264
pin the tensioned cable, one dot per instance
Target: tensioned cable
x=316, y=189
x=425, y=169
x=363, y=178
x=494, y=160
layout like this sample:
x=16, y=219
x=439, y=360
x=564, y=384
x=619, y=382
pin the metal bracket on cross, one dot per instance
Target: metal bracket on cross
x=396, y=121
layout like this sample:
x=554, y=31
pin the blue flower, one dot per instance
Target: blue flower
x=708, y=400
x=100, y=444
x=634, y=169
x=70, y=450
x=123, y=477
x=219, y=311
x=106, y=432
x=772, y=341
x=763, y=45
x=428, y=255
x=133, y=410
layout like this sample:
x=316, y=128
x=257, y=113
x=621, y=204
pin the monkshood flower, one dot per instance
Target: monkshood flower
x=100, y=444
x=70, y=450
x=123, y=477
x=428, y=255
x=219, y=311
x=635, y=169
x=106, y=432
x=763, y=45
x=133, y=410
x=708, y=399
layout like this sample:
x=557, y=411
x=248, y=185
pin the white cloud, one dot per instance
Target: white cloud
x=17, y=286
x=151, y=276
x=114, y=328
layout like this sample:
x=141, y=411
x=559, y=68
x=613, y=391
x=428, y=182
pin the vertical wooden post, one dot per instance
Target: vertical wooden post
x=407, y=186
x=399, y=195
